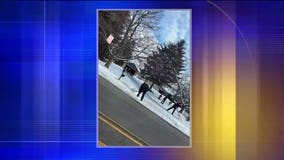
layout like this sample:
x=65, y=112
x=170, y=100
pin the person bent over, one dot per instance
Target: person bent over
x=174, y=107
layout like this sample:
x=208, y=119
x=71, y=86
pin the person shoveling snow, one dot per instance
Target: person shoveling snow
x=174, y=107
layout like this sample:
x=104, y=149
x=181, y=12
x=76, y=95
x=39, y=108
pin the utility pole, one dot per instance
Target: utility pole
x=111, y=57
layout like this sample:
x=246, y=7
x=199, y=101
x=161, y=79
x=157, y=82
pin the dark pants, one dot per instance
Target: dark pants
x=173, y=108
x=143, y=94
x=163, y=101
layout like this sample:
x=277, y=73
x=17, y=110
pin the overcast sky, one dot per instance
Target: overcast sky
x=175, y=25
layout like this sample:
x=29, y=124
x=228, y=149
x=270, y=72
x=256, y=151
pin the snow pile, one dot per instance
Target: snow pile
x=130, y=85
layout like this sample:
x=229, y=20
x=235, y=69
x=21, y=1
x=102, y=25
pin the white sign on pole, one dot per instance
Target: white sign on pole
x=109, y=39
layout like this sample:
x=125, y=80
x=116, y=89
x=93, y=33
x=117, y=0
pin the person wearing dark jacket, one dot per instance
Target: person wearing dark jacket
x=143, y=89
x=175, y=106
x=161, y=93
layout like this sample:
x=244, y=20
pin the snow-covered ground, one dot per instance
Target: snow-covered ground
x=130, y=85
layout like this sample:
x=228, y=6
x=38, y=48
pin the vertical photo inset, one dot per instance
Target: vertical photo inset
x=144, y=77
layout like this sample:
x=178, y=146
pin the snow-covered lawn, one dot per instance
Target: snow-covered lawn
x=130, y=85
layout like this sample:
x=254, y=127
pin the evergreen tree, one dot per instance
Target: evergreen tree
x=164, y=66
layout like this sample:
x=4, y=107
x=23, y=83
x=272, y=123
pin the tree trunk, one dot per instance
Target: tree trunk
x=108, y=63
x=152, y=85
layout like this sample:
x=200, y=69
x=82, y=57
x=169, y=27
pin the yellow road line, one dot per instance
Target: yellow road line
x=122, y=130
x=102, y=143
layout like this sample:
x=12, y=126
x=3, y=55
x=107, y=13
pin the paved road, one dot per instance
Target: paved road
x=136, y=118
x=113, y=137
